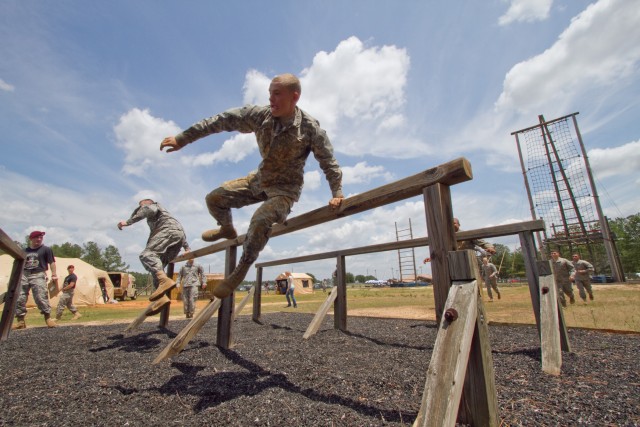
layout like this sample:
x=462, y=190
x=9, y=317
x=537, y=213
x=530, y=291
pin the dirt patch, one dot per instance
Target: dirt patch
x=372, y=375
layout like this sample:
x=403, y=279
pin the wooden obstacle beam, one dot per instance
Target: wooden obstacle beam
x=549, y=325
x=13, y=287
x=244, y=302
x=153, y=308
x=313, y=327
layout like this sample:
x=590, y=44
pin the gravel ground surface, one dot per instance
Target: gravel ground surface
x=371, y=376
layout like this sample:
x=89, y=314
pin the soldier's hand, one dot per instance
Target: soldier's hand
x=335, y=202
x=170, y=142
x=122, y=224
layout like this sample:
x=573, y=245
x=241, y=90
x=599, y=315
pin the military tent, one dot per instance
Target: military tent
x=303, y=283
x=88, y=291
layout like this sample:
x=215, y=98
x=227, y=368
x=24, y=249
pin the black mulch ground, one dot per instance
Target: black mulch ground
x=372, y=376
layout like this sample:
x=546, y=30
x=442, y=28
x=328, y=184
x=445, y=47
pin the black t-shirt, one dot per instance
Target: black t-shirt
x=72, y=278
x=39, y=259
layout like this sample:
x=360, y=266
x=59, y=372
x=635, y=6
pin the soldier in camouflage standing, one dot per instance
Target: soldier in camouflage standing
x=191, y=275
x=166, y=239
x=286, y=136
x=34, y=277
x=582, y=277
x=66, y=299
x=562, y=272
x=490, y=277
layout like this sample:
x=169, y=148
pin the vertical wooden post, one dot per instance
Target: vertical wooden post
x=224, y=337
x=166, y=310
x=340, y=304
x=442, y=239
x=257, y=297
x=11, y=298
x=549, y=325
x=529, y=254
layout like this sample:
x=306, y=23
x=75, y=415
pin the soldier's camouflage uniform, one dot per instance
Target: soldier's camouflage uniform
x=284, y=148
x=490, y=281
x=583, y=280
x=562, y=272
x=166, y=239
x=34, y=278
x=190, y=277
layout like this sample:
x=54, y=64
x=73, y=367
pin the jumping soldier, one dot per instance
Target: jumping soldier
x=582, y=276
x=286, y=136
x=562, y=272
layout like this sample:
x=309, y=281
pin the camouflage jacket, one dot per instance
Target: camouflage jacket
x=563, y=270
x=284, y=148
x=583, y=265
x=191, y=275
x=159, y=221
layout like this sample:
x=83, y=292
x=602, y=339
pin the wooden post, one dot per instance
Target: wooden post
x=313, y=327
x=164, y=313
x=549, y=326
x=257, y=297
x=529, y=254
x=244, y=302
x=225, y=314
x=11, y=298
x=340, y=304
x=437, y=201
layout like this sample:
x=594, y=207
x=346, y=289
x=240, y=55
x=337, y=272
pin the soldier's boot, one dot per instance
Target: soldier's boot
x=76, y=315
x=229, y=284
x=158, y=305
x=189, y=315
x=164, y=284
x=591, y=296
x=572, y=299
x=498, y=292
x=224, y=232
x=49, y=321
x=58, y=316
x=20, y=324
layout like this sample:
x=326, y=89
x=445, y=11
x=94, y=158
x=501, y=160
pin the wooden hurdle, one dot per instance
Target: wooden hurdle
x=13, y=289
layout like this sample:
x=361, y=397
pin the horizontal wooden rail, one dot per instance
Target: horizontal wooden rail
x=497, y=231
x=453, y=172
x=10, y=246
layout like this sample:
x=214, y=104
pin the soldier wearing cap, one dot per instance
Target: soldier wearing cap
x=190, y=276
x=66, y=299
x=34, y=278
x=286, y=136
x=166, y=239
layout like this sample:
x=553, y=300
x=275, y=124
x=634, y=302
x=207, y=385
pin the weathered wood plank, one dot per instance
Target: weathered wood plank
x=186, y=334
x=9, y=246
x=153, y=308
x=11, y=298
x=340, y=306
x=527, y=245
x=257, y=297
x=313, y=327
x=549, y=327
x=224, y=337
x=449, y=359
x=244, y=301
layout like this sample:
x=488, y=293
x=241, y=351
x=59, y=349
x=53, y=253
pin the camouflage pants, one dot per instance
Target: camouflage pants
x=66, y=300
x=38, y=283
x=584, y=284
x=564, y=287
x=492, y=283
x=189, y=297
x=243, y=192
x=161, y=248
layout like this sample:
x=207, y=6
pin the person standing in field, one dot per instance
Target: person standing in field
x=563, y=271
x=490, y=277
x=66, y=299
x=582, y=277
x=286, y=136
x=290, y=290
x=190, y=276
x=38, y=261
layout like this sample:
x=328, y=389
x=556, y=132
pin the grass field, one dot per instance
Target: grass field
x=616, y=307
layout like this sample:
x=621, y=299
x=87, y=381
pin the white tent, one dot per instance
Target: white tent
x=88, y=291
x=303, y=283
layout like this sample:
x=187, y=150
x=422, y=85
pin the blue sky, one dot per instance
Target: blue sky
x=88, y=90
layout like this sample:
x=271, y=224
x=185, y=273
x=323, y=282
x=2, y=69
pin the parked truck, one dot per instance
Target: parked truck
x=124, y=285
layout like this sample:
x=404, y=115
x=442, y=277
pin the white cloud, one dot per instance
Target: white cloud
x=233, y=150
x=601, y=47
x=139, y=134
x=6, y=86
x=312, y=180
x=526, y=11
x=622, y=160
x=362, y=173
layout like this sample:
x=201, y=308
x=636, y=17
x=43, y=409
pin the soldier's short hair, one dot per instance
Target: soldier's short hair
x=289, y=81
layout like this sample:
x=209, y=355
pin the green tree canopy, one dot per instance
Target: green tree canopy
x=112, y=261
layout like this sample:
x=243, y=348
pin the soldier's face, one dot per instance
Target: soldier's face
x=555, y=255
x=282, y=101
x=36, y=242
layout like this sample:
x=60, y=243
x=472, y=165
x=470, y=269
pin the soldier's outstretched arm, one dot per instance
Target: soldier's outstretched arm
x=171, y=143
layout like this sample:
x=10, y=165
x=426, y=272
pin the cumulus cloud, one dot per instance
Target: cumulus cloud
x=622, y=160
x=362, y=173
x=526, y=11
x=139, y=134
x=233, y=150
x=6, y=86
x=600, y=47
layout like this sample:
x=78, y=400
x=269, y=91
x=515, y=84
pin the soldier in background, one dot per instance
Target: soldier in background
x=490, y=277
x=66, y=299
x=190, y=276
x=582, y=277
x=286, y=136
x=34, y=277
x=166, y=239
x=563, y=271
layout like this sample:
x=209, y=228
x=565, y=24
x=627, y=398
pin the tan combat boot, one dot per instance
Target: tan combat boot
x=164, y=284
x=76, y=315
x=20, y=324
x=50, y=322
x=158, y=305
x=224, y=232
x=229, y=284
